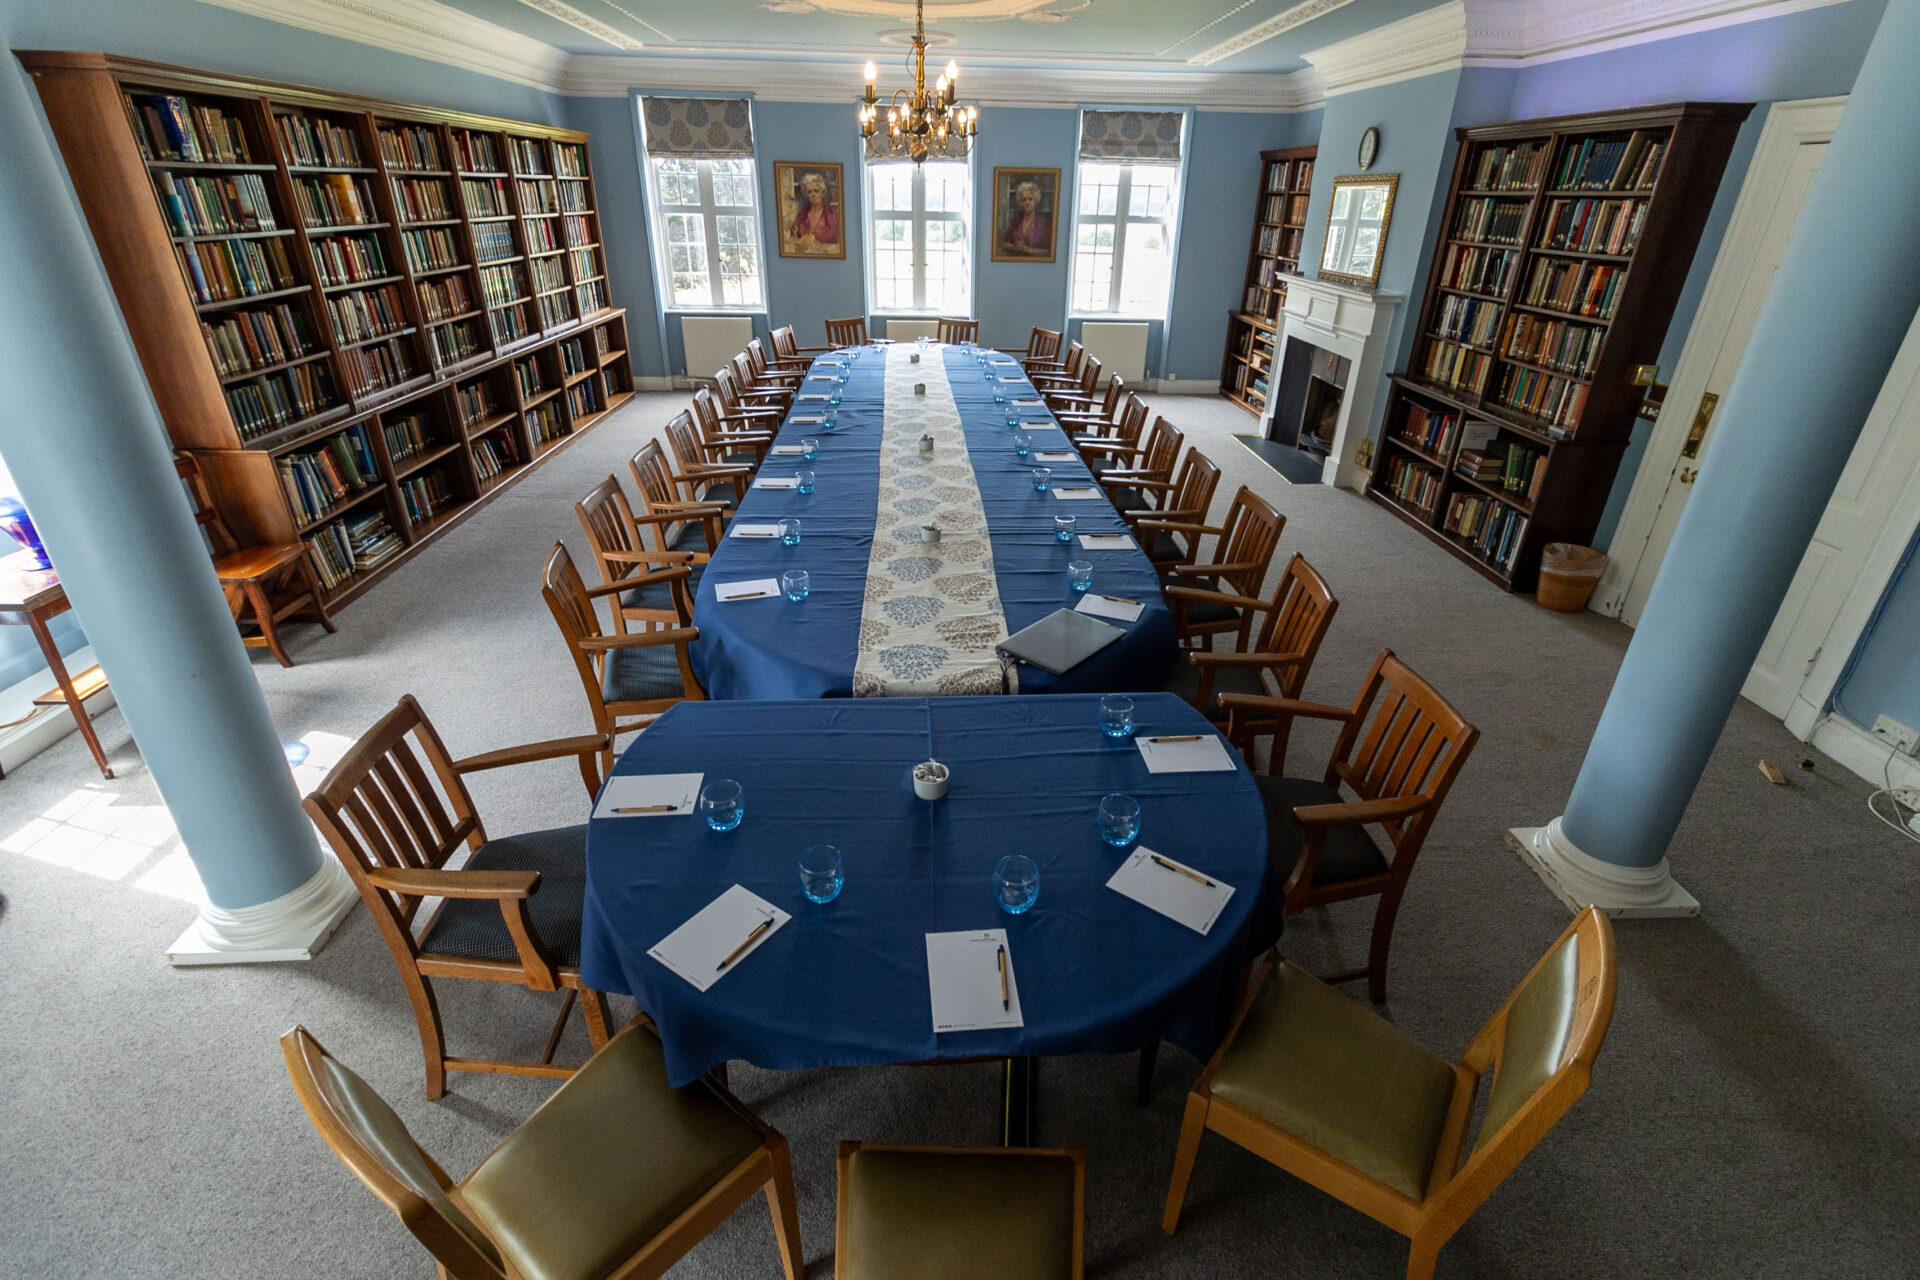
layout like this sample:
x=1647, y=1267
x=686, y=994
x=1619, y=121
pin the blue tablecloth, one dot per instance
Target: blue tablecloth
x=778, y=649
x=846, y=983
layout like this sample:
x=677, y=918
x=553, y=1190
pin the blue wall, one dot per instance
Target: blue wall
x=1884, y=677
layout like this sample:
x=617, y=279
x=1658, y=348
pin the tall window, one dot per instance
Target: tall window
x=706, y=214
x=1123, y=223
x=922, y=250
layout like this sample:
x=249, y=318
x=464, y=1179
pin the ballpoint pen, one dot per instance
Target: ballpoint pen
x=752, y=938
x=1005, y=1000
x=649, y=808
x=757, y=595
x=1119, y=599
x=1178, y=737
x=1177, y=868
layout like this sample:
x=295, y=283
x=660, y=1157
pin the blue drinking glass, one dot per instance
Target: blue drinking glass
x=809, y=448
x=1022, y=444
x=1013, y=421
x=806, y=480
x=789, y=533
x=1063, y=528
x=723, y=804
x=999, y=397
x=1116, y=715
x=1016, y=883
x=796, y=584
x=835, y=396
x=1079, y=575
x=1119, y=820
x=1042, y=479
x=822, y=873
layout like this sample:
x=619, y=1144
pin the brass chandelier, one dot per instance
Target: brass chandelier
x=919, y=123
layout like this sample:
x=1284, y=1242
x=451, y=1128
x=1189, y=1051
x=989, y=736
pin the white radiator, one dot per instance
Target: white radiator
x=711, y=341
x=1122, y=348
x=908, y=330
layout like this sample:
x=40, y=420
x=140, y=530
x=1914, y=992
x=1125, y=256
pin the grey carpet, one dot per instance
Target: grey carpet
x=1751, y=1116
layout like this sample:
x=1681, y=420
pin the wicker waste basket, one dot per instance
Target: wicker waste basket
x=1568, y=575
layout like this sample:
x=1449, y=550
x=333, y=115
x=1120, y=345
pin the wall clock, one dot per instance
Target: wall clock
x=1369, y=148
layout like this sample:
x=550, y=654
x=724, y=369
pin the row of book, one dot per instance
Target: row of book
x=447, y=297
x=527, y=373
x=1507, y=465
x=354, y=543
x=493, y=453
x=570, y=160
x=1416, y=485
x=510, y=324
x=555, y=309
x=1509, y=166
x=1473, y=321
x=1625, y=164
x=603, y=343
x=586, y=264
x=321, y=480
x=1290, y=175
x=573, y=198
x=1593, y=226
x=277, y=399
x=528, y=155
x=547, y=421
x=573, y=357
x=367, y=313
x=220, y=270
x=475, y=151
x=502, y=285
x=315, y=140
x=423, y=495
x=1565, y=345
x=431, y=248
x=537, y=197
x=1280, y=242
x=455, y=342
x=1543, y=395
x=1453, y=365
x=407, y=434
x=548, y=274
x=1477, y=269
x=349, y=259
x=1490, y=527
x=375, y=368
x=411, y=146
x=584, y=398
x=1578, y=288
x=227, y=205
x=1491, y=219
x=255, y=339
x=580, y=232
x=1434, y=430
x=493, y=240
x=167, y=127
x=422, y=200
x=591, y=297
x=476, y=401
x=336, y=200
x=1290, y=209
x=485, y=197
x=542, y=236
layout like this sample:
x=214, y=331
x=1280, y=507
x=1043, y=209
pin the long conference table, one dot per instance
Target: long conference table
x=890, y=614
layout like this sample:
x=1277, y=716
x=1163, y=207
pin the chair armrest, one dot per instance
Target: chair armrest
x=1164, y=525
x=821, y=350
x=1135, y=480
x=687, y=510
x=640, y=639
x=708, y=472
x=1208, y=658
x=422, y=882
x=1284, y=706
x=649, y=557
x=1214, y=597
x=553, y=749
x=1118, y=450
x=1213, y=570
x=669, y=574
x=1356, y=813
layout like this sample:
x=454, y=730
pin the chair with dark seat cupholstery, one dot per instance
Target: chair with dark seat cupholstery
x=1339, y=1097
x=1296, y=620
x=657, y=595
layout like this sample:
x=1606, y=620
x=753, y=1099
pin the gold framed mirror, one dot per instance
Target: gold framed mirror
x=1358, y=216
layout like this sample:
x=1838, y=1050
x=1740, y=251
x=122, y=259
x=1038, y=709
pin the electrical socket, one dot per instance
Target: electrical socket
x=1907, y=798
x=1900, y=737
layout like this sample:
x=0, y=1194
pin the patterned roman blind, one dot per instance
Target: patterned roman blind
x=1150, y=136
x=698, y=128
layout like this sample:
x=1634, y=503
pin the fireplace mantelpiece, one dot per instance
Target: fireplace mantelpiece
x=1351, y=323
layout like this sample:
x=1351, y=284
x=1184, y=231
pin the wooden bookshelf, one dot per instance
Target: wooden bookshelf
x=1279, y=225
x=330, y=295
x=1556, y=268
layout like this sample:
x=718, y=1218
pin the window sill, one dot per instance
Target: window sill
x=1137, y=318
x=753, y=310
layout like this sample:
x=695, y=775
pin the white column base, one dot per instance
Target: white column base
x=294, y=926
x=1581, y=880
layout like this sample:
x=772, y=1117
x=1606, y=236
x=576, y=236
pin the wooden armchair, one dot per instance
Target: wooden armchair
x=1173, y=506
x=1067, y=394
x=743, y=412
x=957, y=330
x=1042, y=344
x=1125, y=433
x=1400, y=748
x=787, y=354
x=847, y=333
x=614, y=1175
x=723, y=482
x=1123, y=472
x=1295, y=622
x=766, y=373
x=659, y=584
x=274, y=582
x=1242, y=550
x=394, y=810
x=753, y=393
x=1096, y=417
x=740, y=435
x=1379, y=1123
x=630, y=679
x=664, y=493
x=1066, y=366
x=947, y=1213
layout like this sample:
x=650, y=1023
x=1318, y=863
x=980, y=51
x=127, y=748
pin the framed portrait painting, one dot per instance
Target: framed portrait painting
x=1026, y=214
x=812, y=209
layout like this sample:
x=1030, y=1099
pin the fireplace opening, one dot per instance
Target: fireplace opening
x=1321, y=416
x=1308, y=395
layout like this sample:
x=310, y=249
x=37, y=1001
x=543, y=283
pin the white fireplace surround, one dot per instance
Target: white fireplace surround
x=1353, y=324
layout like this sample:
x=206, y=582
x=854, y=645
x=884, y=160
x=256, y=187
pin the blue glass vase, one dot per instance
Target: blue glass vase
x=19, y=525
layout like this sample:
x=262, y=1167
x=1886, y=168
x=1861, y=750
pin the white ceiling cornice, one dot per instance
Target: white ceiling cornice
x=1304, y=12
x=1472, y=33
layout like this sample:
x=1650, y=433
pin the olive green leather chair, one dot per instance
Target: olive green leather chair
x=614, y=1176
x=1338, y=1096
x=945, y=1213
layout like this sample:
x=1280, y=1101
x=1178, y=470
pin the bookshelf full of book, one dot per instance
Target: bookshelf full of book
x=331, y=295
x=1557, y=265
x=1279, y=224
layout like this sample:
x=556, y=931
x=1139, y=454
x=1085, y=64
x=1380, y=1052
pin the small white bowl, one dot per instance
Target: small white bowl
x=930, y=780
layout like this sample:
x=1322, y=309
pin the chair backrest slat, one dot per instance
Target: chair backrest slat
x=847, y=333
x=1302, y=612
x=1404, y=740
x=957, y=330
x=1199, y=477
x=1163, y=446
x=1253, y=528
x=1090, y=375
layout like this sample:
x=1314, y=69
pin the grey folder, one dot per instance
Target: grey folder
x=1060, y=641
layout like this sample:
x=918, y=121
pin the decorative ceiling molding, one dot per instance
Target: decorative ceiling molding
x=1306, y=11
x=1519, y=33
x=1422, y=44
x=560, y=11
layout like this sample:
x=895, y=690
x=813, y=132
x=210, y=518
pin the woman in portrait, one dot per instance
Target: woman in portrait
x=815, y=223
x=1029, y=232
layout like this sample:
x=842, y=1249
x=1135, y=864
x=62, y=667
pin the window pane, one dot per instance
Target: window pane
x=678, y=180
x=733, y=182
x=1152, y=191
x=1149, y=268
x=893, y=187
x=1099, y=188
x=946, y=188
x=927, y=206
x=1093, y=267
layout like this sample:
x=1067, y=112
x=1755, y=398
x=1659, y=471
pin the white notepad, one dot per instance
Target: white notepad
x=814, y=395
x=1030, y=402
x=799, y=422
x=1108, y=607
x=1076, y=493
x=695, y=950
x=1175, y=894
x=658, y=795
x=757, y=589
x=963, y=979
x=1064, y=456
x=777, y=482
x=823, y=377
x=1204, y=755
x=754, y=531
x=1100, y=541
x=792, y=450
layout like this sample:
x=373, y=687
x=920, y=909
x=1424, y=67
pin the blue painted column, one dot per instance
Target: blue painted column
x=1844, y=298
x=86, y=446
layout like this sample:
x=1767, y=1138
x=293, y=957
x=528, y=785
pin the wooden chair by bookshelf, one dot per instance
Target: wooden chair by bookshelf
x=746, y=430
x=957, y=330
x=1122, y=470
x=846, y=333
x=749, y=392
x=630, y=680
x=616, y=1174
x=765, y=373
x=394, y=810
x=1095, y=418
x=1125, y=432
x=1295, y=621
x=1401, y=1157
x=1042, y=344
x=1067, y=366
x=1243, y=548
x=662, y=492
x=252, y=577
x=1077, y=388
x=657, y=596
x=1165, y=527
x=1401, y=747
x=711, y=455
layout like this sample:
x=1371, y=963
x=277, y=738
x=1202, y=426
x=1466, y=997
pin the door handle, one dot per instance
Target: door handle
x=1698, y=431
x=1687, y=474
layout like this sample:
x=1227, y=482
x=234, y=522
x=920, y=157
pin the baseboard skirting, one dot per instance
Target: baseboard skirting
x=1862, y=753
x=652, y=383
x=1580, y=880
x=294, y=926
x=1190, y=387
